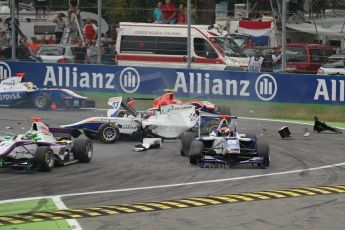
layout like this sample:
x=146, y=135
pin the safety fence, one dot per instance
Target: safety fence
x=37, y=27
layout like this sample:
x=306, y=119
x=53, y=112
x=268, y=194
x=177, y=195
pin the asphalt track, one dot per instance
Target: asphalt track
x=115, y=167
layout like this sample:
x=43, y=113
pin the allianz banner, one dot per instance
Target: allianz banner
x=295, y=88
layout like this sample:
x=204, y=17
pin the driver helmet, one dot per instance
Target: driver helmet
x=224, y=132
x=30, y=135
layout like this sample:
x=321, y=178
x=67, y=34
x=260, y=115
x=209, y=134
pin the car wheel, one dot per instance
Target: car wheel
x=82, y=150
x=43, y=101
x=263, y=150
x=195, y=152
x=186, y=139
x=90, y=134
x=44, y=159
x=108, y=133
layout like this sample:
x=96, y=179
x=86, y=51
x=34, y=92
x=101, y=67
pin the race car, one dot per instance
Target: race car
x=168, y=122
x=225, y=146
x=201, y=106
x=14, y=91
x=43, y=147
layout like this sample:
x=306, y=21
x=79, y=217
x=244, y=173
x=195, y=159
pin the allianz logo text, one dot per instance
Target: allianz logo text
x=202, y=83
x=66, y=76
x=5, y=70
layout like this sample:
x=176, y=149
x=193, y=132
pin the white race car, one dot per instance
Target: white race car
x=168, y=122
x=42, y=147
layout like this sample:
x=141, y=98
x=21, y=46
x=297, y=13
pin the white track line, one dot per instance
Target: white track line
x=179, y=184
x=61, y=205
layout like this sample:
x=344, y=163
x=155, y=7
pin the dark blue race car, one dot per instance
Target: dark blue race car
x=14, y=91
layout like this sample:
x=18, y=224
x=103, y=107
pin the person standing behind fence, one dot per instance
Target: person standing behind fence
x=277, y=61
x=79, y=53
x=59, y=27
x=92, y=53
x=157, y=14
x=255, y=62
x=169, y=12
x=74, y=7
x=41, y=8
x=181, y=14
x=90, y=30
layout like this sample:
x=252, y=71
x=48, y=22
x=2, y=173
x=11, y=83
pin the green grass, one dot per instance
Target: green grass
x=272, y=110
x=14, y=208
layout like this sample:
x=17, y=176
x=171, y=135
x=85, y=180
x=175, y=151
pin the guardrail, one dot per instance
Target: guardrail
x=291, y=88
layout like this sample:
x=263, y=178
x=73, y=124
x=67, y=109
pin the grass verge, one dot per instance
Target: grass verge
x=14, y=208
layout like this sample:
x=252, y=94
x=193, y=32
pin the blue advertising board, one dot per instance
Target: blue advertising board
x=292, y=88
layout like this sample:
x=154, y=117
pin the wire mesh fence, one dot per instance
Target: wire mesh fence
x=242, y=29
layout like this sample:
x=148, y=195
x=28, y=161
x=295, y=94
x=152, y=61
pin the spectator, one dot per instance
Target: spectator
x=59, y=27
x=157, y=14
x=50, y=40
x=181, y=14
x=249, y=44
x=277, y=61
x=255, y=62
x=35, y=45
x=90, y=30
x=194, y=13
x=79, y=53
x=41, y=7
x=169, y=12
x=16, y=3
x=92, y=53
x=74, y=7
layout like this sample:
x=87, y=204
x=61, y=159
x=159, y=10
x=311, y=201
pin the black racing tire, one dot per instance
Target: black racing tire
x=195, y=152
x=91, y=135
x=43, y=101
x=82, y=150
x=108, y=133
x=44, y=159
x=223, y=109
x=263, y=150
x=186, y=139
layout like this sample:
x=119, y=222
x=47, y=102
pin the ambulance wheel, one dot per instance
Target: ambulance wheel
x=43, y=101
x=44, y=159
x=108, y=133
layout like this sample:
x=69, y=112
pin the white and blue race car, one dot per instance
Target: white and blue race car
x=14, y=91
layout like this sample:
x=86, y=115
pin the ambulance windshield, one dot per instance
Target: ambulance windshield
x=228, y=46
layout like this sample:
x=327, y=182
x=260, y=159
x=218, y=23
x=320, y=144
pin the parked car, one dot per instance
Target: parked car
x=334, y=66
x=306, y=58
x=22, y=54
x=56, y=53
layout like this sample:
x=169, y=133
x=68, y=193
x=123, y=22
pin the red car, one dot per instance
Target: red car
x=306, y=58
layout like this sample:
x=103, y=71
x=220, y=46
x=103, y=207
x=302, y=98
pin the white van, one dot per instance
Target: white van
x=163, y=45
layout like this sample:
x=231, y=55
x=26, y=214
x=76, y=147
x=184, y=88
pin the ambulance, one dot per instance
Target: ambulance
x=164, y=45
